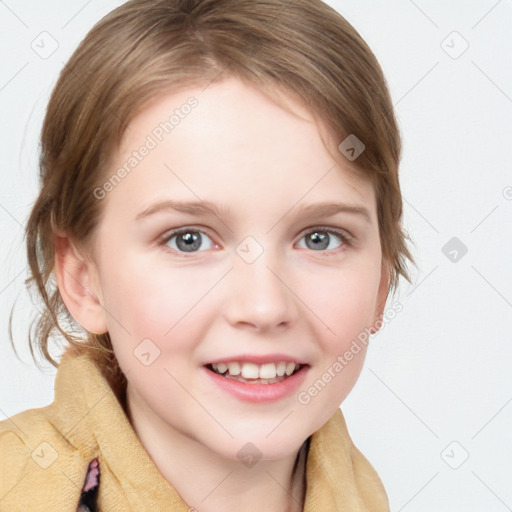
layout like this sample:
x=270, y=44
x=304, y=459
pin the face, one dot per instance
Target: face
x=267, y=276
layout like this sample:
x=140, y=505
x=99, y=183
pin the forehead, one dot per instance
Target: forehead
x=233, y=138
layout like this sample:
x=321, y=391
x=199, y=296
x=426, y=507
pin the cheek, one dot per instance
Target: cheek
x=345, y=308
x=155, y=302
x=141, y=291
x=343, y=344
x=345, y=304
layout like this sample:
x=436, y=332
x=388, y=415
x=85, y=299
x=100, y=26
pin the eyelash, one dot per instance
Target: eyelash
x=345, y=238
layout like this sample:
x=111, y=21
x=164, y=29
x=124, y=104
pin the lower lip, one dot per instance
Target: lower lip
x=259, y=392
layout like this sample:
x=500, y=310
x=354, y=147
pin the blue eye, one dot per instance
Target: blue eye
x=187, y=240
x=320, y=239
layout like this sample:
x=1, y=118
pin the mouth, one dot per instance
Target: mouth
x=251, y=373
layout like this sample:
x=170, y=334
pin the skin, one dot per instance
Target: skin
x=241, y=150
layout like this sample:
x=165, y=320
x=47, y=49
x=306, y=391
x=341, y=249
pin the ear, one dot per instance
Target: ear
x=76, y=279
x=382, y=295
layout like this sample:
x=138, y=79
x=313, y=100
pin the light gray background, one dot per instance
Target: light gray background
x=436, y=384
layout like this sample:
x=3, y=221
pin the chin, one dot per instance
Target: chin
x=261, y=448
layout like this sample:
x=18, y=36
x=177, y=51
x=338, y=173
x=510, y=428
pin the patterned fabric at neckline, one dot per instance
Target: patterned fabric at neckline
x=89, y=496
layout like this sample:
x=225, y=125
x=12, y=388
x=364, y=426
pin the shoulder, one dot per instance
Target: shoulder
x=38, y=467
x=16, y=449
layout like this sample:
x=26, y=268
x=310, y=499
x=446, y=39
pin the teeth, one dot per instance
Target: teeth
x=268, y=371
x=290, y=367
x=233, y=368
x=250, y=371
x=254, y=371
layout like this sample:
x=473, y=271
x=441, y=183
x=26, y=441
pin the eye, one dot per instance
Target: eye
x=321, y=239
x=186, y=240
x=189, y=240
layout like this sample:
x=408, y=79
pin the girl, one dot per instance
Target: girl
x=217, y=232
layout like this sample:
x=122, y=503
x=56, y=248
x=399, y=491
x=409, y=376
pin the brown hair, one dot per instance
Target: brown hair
x=147, y=47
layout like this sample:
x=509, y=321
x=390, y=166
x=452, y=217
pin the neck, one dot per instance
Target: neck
x=216, y=483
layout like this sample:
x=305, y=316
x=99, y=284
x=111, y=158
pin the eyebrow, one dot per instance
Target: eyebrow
x=202, y=208
x=329, y=209
x=195, y=208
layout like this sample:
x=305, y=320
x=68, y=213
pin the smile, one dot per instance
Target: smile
x=253, y=382
x=268, y=373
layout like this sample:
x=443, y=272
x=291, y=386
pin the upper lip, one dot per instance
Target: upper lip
x=258, y=359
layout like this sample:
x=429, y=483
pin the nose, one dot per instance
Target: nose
x=259, y=294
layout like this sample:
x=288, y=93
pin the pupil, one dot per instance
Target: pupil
x=319, y=240
x=190, y=240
